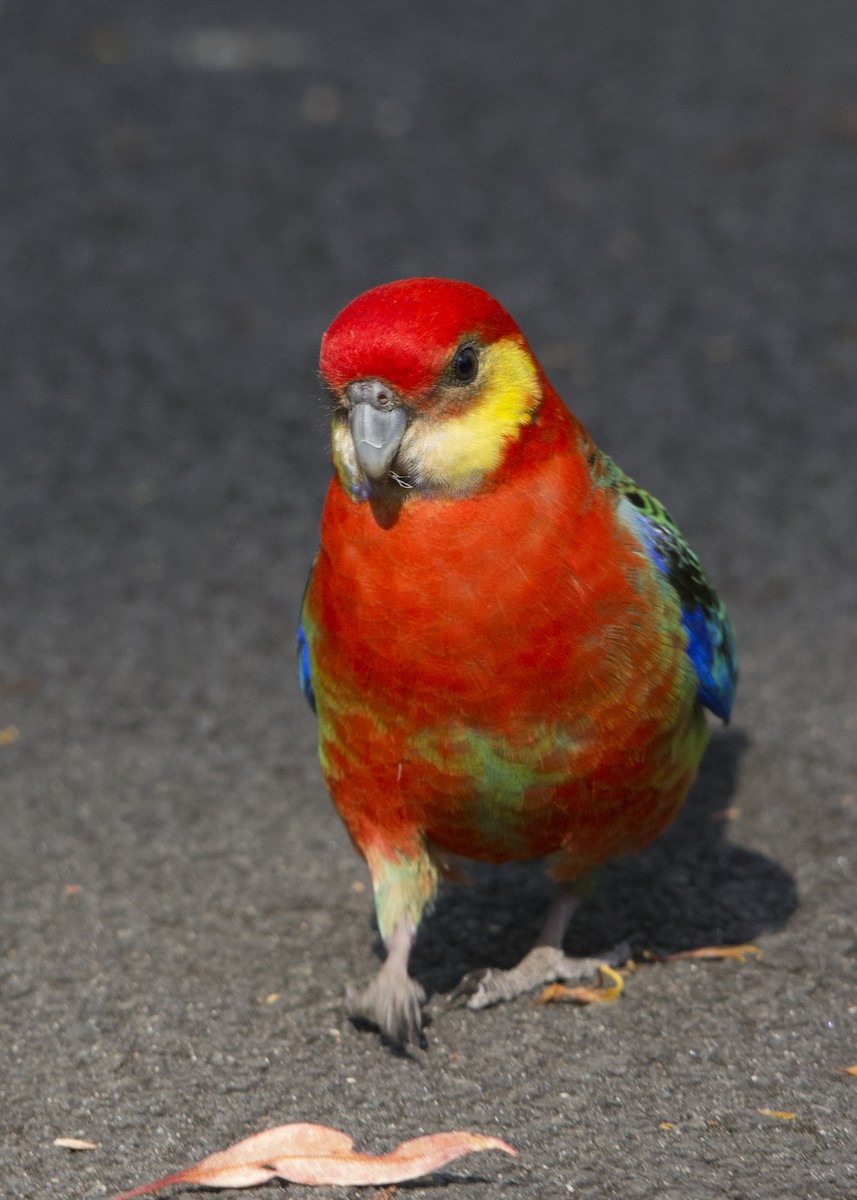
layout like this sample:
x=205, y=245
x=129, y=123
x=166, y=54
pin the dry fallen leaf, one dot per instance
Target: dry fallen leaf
x=842, y=123
x=780, y=1116
x=75, y=1144
x=585, y=993
x=737, y=952
x=317, y=1155
x=848, y=1070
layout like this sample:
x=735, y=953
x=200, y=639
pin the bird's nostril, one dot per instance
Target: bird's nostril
x=370, y=391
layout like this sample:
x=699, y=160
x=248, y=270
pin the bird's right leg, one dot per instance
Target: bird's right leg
x=404, y=885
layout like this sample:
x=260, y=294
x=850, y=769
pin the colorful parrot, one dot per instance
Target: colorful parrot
x=508, y=643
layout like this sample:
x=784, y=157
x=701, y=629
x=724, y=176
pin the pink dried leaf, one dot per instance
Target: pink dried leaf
x=317, y=1155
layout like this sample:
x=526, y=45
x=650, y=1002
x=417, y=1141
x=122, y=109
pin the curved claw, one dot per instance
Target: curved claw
x=467, y=987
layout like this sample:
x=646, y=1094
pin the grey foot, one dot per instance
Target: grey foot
x=543, y=965
x=393, y=1004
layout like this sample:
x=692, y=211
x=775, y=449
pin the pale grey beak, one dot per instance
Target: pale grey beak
x=377, y=424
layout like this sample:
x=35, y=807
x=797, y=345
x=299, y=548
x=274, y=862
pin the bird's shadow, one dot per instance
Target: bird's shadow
x=692, y=888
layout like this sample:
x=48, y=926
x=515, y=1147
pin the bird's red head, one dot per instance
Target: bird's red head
x=402, y=332
x=432, y=383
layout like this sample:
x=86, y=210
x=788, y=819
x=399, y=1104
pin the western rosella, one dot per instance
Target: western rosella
x=508, y=643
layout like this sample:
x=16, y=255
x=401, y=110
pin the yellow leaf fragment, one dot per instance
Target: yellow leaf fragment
x=739, y=953
x=585, y=993
x=75, y=1144
x=847, y=1070
x=776, y=1114
x=727, y=814
x=666, y=1125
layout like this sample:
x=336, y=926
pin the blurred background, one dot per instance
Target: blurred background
x=664, y=196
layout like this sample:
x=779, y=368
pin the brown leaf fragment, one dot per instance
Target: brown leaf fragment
x=842, y=123
x=585, y=993
x=108, y=46
x=19, y=687
x=317, y=1155
x=75, y=1143
x=716, y=952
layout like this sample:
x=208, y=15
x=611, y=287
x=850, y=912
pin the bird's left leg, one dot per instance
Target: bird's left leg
x=404, y=885
x=545, y=963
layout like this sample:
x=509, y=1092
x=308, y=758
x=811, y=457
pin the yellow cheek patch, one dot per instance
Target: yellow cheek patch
x=456, y=452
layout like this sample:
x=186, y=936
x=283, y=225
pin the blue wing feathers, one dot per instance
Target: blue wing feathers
x=304, y=664
x=304, y=672
x=711, y=649
x=710, y=639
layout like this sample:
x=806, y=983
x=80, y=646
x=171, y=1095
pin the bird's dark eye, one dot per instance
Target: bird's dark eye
x=465, y=364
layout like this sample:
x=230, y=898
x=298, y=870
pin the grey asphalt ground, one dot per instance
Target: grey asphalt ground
x=665, y=196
